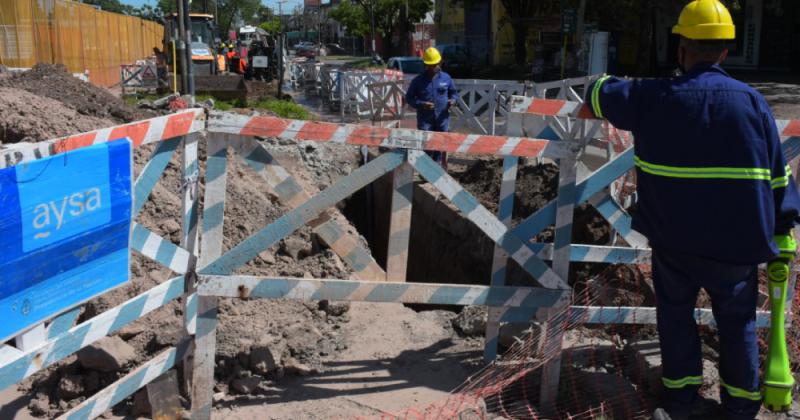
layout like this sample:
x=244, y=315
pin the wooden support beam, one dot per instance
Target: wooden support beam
x=400, y=223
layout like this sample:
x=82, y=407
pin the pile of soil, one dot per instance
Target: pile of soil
x=26, y=117
x=536, y=186
x=55, y=82
x=298, y=336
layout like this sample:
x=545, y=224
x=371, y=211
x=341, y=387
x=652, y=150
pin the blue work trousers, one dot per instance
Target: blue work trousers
x=442, y=126
x=734, y=291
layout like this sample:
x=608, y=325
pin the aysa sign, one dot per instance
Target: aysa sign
x=64, y=232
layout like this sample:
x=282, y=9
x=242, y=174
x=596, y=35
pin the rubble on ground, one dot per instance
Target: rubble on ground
x=55, y=82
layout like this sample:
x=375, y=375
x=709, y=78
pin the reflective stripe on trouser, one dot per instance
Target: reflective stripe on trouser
x=733, y=290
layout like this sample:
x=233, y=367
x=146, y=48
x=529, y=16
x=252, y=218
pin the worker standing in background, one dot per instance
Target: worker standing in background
x=716, y=199
x=432, y=93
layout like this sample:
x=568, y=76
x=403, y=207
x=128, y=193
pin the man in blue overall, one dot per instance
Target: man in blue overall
x=716, y=199
x=432, y=93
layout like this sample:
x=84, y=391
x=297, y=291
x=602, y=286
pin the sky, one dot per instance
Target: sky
x=288, y=5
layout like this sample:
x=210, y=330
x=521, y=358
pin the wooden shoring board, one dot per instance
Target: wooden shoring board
x=332, y=227
x=400, y=223
x=202, y=383
x=303, y=214
x=485, y=220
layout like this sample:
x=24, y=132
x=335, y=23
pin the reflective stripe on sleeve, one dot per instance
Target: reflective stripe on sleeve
x=595, y=99
x=782, y=181
x=756, y=174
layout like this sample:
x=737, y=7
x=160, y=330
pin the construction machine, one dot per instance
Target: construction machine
x=207, y=66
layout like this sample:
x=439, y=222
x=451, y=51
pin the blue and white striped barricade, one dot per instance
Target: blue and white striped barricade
x=65, y=227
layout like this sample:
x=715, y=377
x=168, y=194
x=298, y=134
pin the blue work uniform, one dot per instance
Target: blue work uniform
x=714, y=189
x=440, y=90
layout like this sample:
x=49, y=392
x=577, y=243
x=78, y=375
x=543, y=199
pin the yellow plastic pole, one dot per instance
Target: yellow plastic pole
x=174, y=71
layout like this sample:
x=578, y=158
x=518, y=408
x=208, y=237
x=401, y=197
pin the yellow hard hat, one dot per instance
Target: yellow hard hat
x=705, y=20
x=431, y=57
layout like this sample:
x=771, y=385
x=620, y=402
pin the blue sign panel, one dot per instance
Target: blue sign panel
x=64, y=232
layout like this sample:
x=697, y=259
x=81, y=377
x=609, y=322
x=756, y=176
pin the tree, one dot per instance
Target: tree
x=229, y=10
x=114, y=6
x=273, y=26
x=389, y=15
x=519, y=14
x=353, y=17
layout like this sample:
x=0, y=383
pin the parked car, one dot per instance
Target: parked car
x=335, y=49
x=408, y=65
x=306, y=52
x=455, y=59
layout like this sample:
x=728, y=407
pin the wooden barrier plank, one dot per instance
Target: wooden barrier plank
x=400, y=223
x=595, y=182
x=486, y=221
x=111, y=395
x=308, y=211
x=333, y=232
x=376, y=291
x=140, y=132
x=30, y=362
x=159, y=249
x=500, y=258
x=62, y=323
x=202, y=365
x=152, y=172
x=384, y=137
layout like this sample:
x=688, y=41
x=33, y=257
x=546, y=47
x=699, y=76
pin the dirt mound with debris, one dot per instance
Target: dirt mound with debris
x=27, y=117
x=55, y=82
x=257, y=340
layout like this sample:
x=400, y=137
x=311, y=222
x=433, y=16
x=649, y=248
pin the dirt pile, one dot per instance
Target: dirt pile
x=536, y=186
x=27, y=117
x=53, y=81
x=258, y=341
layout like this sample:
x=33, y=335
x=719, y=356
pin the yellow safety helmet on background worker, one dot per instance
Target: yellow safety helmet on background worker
x=705, y=20
x=431, y=57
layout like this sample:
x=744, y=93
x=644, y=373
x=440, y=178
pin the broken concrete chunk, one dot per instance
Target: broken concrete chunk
x=294, y=366
x=109, y=354
x=246, y=385
x=334, y=308
x=295, y=247
x=645, y=366
x=70, y=386
x=265, y=357
x=141, y=404
x=471, y=321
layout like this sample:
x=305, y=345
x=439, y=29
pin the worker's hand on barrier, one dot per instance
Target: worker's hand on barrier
x=426, y=105
x=451, y=103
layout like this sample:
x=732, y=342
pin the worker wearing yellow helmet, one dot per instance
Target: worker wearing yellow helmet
x=715, y=200
x=432, y=93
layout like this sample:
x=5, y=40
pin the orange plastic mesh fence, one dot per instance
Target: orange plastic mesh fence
x=607, y=371
x=76, y=35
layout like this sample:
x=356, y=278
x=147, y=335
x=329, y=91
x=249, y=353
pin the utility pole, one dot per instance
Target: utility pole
x=281, y=42
x=187, y=24
x=181, y=46
x=372, y=24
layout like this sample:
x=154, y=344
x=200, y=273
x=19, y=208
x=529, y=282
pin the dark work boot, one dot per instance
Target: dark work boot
x=661, y=414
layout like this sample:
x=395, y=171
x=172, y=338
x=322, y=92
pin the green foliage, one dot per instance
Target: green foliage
x=354, y=18
x=283, y=109
x=250, y=10
x=272, y=26
x=114, y=6
x=388, y=14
